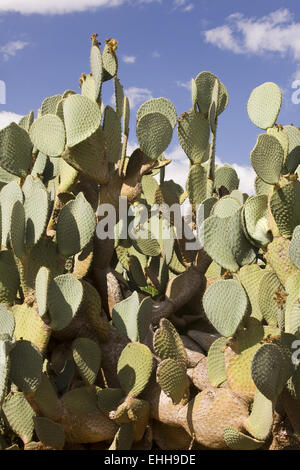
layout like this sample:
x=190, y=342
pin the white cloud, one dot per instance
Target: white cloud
x=129, y=59
x=7, y=117
x=137, y=96
x=10, y=48
x=275, y=32
x=60, y=7
x=178, y=170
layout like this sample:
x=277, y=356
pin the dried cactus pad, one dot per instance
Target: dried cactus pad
x=225, y=304
x=134, y=368
x=264, y=105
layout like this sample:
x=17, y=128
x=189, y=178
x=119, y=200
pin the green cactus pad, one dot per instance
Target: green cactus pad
x=149, y=186
x=250, y=277
x=4, y=370
x=109, y=63
x=226, y=176
x=193, y=135
x=225, y=207
x=147, y=246
x=278, y=258
x=285, y=208
x=158, y=105
x=19, y=415
x=7, y=322
x=82, y=118
x=270, y=370
x=26, y=366
x=136, y=271
x=112, y=134
x=46, y=399
x=15, y=150
x=268, y=305
x=49, y=104
x=89, y=156
x=261, y=187
x=293, y=158
x=126, y=115
x=87, y=357
x=44, y=253
x=119, y=96
x=255, y=217
x=264, y=105
x=224, y=240
x=170, y=192
x=123, y=439
x=96, y=69
x=205, y=82
x=154, y=134
x=17, y=229
x=294, y=247
x=49, y=433
x=267, y=158
x=172, y=378
x=133, y=317
x=64, y=298
x=260, y=421
x=48, y=135
x=225, y=304
x=88, y=87
x=9, y=278
x=76, y=226
x=292, y=312
x=216, y=362
x=236, y=440
x=110, y=398
x=168, y=344
x=134, y=368
x=42, y=283
x=36, y=206
x=26, y=121
x=196, y=184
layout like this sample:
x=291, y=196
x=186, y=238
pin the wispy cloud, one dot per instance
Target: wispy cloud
x=184, y=5
x=137, y=96
x=11, y=48
x=129, y=59
x=186, y=85
x=276, y=32
x=155, y=54
x=7, y=117
x=59, y=7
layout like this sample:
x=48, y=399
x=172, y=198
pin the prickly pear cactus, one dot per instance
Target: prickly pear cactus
x=147, y=330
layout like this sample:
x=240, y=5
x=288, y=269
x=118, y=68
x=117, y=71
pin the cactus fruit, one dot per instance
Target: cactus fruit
x=141, y=339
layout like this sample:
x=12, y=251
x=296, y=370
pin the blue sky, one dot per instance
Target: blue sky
x=44, y=48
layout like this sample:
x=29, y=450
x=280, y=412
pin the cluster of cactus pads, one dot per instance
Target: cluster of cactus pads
x=140, y=342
